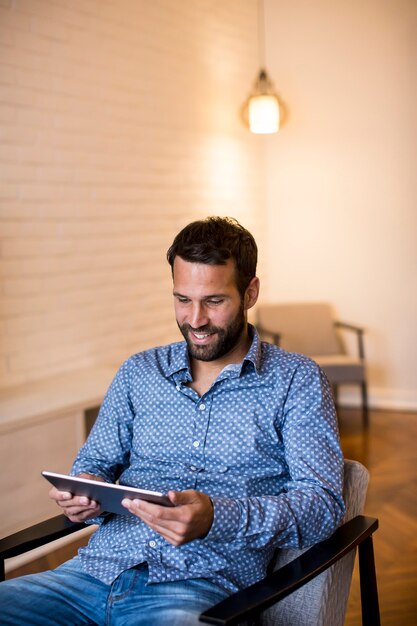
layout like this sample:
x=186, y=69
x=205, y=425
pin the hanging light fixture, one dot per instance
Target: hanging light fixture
x=262, y=105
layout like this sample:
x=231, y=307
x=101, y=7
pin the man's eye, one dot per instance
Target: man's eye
x=182, y=300
x=217, y=301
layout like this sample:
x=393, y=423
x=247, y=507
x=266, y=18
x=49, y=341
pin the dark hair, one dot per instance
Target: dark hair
x=214, y=241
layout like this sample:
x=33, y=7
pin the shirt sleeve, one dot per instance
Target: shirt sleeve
x=106, y=451
x=311, y=505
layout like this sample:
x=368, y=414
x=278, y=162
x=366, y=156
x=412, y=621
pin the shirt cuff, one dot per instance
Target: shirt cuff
x=226, y=520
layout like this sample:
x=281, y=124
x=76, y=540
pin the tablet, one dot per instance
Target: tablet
x=110, y=496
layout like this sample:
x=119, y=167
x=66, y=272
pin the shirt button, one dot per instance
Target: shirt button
x=202, y=407
x=152, y=544
x=196, y=444
x=193, y=468
x=178, y=388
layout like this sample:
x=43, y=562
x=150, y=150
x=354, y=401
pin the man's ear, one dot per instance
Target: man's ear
x=251, y=293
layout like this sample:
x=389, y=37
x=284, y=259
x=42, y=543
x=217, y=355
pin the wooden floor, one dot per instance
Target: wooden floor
x=389, y=451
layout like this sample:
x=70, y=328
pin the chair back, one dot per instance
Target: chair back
x=323, y=601
x=306, y=328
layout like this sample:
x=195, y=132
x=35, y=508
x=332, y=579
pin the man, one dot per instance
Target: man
x=240, y=434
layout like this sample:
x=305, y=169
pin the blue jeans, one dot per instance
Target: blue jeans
x=67, y=595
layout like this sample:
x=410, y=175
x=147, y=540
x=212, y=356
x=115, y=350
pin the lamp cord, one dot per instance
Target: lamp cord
x=261, y=33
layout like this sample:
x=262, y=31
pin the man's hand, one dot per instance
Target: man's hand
x=76, y=508
x=190, y=518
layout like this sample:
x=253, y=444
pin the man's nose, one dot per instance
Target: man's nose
x=198, y=316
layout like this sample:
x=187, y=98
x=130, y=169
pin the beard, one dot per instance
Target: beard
x=227, y=338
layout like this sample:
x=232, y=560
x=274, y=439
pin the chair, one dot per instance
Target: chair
x=309, y=328
x=311, y=587
x=306, y=588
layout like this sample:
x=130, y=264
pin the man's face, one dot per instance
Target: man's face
x=208, y=308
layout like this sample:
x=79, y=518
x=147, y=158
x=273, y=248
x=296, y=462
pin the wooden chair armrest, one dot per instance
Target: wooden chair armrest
x=249, y=602
x=359, y=332
x=35, y=536
x=353, y=327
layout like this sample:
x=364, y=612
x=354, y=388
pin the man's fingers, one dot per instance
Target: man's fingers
x=57, y=495
x=76, y=508
x=80, y=502
x=142, y=509
x=190, y=519
x=150, y=512
x=81, y=513
x=172, y=531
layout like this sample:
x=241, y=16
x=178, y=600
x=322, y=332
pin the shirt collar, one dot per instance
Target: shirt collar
x=254, y=353
x=178, y=359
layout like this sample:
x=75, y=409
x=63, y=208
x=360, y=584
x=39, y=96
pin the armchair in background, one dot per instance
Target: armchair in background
x=309, y=328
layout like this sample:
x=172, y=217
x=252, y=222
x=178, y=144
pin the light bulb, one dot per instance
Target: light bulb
x=263, y=114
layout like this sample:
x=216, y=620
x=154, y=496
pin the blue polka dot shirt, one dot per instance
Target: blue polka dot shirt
x=262, y=442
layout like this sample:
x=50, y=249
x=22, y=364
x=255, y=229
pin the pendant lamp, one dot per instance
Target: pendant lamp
x=262, y=104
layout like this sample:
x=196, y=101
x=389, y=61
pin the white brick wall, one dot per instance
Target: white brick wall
x=119, y=123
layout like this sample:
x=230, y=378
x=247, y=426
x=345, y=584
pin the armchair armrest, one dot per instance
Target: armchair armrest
x=359, y=332
x=249, y=602
x=35, y=536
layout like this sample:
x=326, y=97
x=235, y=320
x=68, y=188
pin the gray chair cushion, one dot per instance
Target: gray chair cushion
x=341, y=368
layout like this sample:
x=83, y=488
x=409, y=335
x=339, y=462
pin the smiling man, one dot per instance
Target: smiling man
x=211, y=315
x=209, y=310
x=240, y=434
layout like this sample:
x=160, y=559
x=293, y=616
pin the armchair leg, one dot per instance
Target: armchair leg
x=369, y=589
x=365, y=408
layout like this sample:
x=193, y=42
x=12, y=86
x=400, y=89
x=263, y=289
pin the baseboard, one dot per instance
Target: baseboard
x=380, y=398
